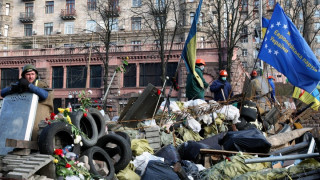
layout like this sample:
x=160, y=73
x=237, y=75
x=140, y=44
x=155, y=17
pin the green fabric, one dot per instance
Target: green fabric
x=167, y=139
x=128, y=173
x=139, y=146
x=229, y=169
x=189, y=135
x=193, y=89
x=280, y=173
x=210, y=130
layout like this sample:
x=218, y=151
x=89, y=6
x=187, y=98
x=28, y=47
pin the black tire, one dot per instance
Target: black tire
x=121, y=149
x=125, y=136
x=100, y=122
x=87, y=125
x=56, y=136
x=97, y=153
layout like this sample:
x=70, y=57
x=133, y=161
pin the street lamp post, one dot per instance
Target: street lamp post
x=73, y=96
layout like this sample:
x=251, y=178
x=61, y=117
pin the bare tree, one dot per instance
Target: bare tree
x=229, y=23
x=305, y=15
x=160, y=20
x=104, y=20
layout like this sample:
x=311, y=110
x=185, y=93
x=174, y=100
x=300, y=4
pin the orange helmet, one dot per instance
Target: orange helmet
x=271, y=77
x=200, y=61
x=223, y=73
x=254, y=73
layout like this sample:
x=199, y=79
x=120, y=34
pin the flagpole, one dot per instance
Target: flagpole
x=260, y=42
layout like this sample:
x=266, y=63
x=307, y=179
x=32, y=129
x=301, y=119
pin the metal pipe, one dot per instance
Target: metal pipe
x=311, y=146
x=290, y=149
x=281, y=158
x=105, y=94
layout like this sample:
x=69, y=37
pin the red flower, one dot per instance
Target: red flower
x=68, y=165
x=95, y=101
x=49, y=122
x=228, y=159
x=47, y=119
x=58, y=152
x=158, y=92
x=85, y=114
x=52, y=115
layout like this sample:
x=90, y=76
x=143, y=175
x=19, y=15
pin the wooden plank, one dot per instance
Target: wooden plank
x=22, y=144
x=224, y=152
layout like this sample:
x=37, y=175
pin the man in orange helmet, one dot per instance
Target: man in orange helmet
x=221, y=87
x=193, y=89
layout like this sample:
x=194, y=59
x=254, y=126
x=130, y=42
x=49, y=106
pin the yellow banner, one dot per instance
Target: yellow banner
x=305, y=97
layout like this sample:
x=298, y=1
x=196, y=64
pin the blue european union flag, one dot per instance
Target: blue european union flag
x=287, y=51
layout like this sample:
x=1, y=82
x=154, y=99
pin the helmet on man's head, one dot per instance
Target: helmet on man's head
x=28, y=68
x=200, y=61
x=223, y=73
x=254, y=73
x=271, y=77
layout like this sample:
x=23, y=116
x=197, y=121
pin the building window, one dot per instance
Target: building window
x=271, y=3
x=7, y=9
x=113, y=24
x=28, y=29
x=68, y=27
x=95, y=76
x=316, y=26
x=191, y=17
x=130, y=76
x=70, y=6
x=256, y=4
x=48, y=28
x=200, y=22
x=318, y=51
x=244, y=39
x=244, y=52
x=151, y=73
x=318, y=38
x=49, y=7
x=92, y=5
x=29, y=9
x=160, y=21
x=160, y=4
x=6, y=30
x=136, y=23
x=300, y=28
x=317, y=13
x=91, y=26
x=316, y=2
x=8, y=76
x=57, y=77
x=136, y=45
x=76, y=76
x=136, y=3
x=57, y=103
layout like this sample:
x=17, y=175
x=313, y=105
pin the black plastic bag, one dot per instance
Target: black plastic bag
x=191, y=149
x=157, y=170
x=251, y=140
x=169, y=153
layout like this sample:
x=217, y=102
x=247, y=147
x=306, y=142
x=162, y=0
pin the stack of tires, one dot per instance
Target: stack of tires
x=113, y=148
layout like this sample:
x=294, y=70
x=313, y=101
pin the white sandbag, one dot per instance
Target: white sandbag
x=141, y=162
x=173, y=106
x=206, y=118
x=194, y=103
x=231, y=113
x=194, y=124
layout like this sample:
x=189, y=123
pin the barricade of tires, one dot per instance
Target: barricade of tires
x=113, y=149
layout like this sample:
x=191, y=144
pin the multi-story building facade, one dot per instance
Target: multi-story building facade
x=56, y=36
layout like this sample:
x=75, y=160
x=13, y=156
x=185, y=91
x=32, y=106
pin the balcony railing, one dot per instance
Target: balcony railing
x=26, y=17
x=68, y=14
x=113, y=49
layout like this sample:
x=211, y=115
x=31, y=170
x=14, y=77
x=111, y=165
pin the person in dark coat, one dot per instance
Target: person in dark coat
x=29, y=82
x=193, y=89
x=221, y=87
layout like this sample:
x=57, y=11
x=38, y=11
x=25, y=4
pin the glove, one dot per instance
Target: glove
x=24, y=84
x=15, y=88
x=222, y=86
